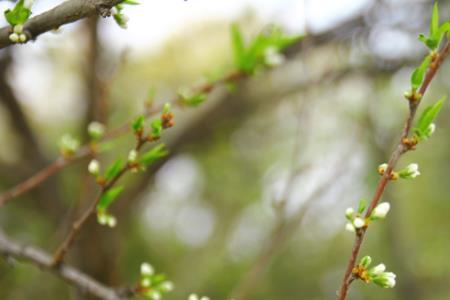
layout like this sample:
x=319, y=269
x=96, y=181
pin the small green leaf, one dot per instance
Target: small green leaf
x=237, y=43
x=157, y=127
x=427, y=117
x=153, y=155
x=195, y=100
x=419, y=73
x=362, y=206
x=434, y=26
x=138, y=124
x=18, y=15
x=114, y=169
x=130, y=2
x=108, y=197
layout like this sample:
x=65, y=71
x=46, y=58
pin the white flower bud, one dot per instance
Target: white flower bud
x=114, y=11
x=14, y=37
x=358, y=223
x=382, y=168
x=155, y=295
x=430, y=130
x=273, y=58
x=381, y=210
x=386, y=280
x=18, y=29
x=193, y=297
x=146, y=282
x=349, y=213
x=94, y=167
x=102, y=219
x=147, y=269
x=132, y=156
x=96, y=130
x=167, y=286
x=204, y=298
x=28, y=4
x=377, y=270
x=68, y=144
x=350, y=227
x=112, y=221
x=22, y=38
x=410, y=172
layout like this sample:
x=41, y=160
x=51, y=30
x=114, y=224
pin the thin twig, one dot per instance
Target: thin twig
x=43, y=261
x=399, y=151
x=65, y=246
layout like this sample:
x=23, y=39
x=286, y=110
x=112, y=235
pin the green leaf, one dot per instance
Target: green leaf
x=114, y=169
x=153, y=155
x=419, y=73
x=434, y=26
x=138, y=124
x=130, y=2
x=427, y=117
x=157, y=127
x=195, y=100
x=18, y=15
x=108, y=197
x=237, y=43
x=362, y=206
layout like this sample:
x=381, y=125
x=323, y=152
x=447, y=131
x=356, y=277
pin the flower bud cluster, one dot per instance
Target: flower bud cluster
x=376, y=274
x=152, y=285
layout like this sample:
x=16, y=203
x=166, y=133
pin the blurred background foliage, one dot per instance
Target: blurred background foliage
x=309, y=134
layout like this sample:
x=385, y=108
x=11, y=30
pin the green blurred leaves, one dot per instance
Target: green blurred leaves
x=108, y=198
x=419, y=73
x=114, y=169
x=153, y=155
x=248, y=59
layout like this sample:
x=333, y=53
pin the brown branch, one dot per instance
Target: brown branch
x=399, y=151
x=64, y=247
x=65, y=13
x=86, y=150
x=43, y=261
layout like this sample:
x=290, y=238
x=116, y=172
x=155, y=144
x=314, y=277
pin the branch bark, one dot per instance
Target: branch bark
x=65, y=13
x=42, y=260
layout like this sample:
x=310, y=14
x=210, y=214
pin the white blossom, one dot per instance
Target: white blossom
x=358, y=223
x=378, y=269
x=350, y=227
x=147, y=269
x=381, y=210
x=94, y=167
x=14, y=37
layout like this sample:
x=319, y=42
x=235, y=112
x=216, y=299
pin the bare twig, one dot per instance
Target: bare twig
x=399, y=151
x=43, y=261
x=65, y=13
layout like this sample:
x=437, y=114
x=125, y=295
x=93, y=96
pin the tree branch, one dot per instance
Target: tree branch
x=399, y=151
x=43, y=261
x=65, y=13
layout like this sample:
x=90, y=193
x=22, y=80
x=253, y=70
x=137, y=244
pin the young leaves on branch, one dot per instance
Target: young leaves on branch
x=16, y=18
x=120, y=18
x=437, y=32
x=425, y=126
x=263, y=51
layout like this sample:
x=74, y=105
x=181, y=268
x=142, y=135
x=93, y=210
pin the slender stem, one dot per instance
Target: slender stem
x=86, y=150
x=398, y=152
x=65, y=246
